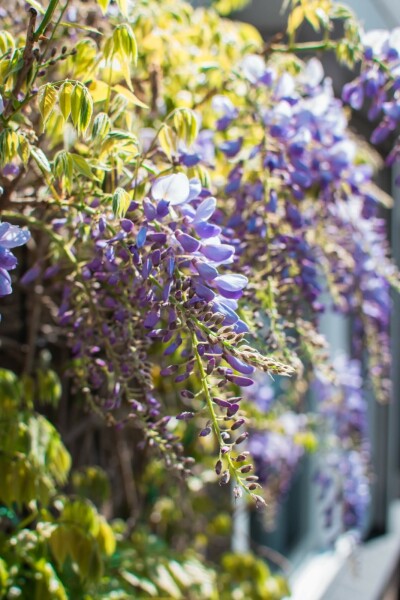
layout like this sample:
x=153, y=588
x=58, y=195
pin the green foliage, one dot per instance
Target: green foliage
x=56, y=547
x=33, y=459
x=252, y=577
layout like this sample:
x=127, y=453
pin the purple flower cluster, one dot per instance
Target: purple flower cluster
x=379, y=84
x=304, y=207
x=183, y=276
x=277, y=452
x=345, y=453
x=11, y=236
x=158, y=276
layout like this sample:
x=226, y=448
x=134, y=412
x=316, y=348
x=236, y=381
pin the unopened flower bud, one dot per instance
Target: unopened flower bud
x=242, y=437
x=225, y=477
x=237, y=424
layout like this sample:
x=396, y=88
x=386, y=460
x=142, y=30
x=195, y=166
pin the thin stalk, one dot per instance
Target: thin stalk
x=48, y=15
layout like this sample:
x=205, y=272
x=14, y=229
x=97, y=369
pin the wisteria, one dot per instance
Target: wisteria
x=378, y=85
x=195, y=236
x=11, y=237
x=344, y=469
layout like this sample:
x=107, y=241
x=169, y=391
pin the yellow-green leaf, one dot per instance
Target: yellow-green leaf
x=23, y=149
x=296, y=18
x=82, y=166
x=81, y=107
x=166, y=140
x=105, y=537
x=64, y=99
x=47, y=96
x=139, y=582
x=120, y=202
x=103, y=5
x=130, y=96
x=101, y=126
x=123, y=7
x=40, y=158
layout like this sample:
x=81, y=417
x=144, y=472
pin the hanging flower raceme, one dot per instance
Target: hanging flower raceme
x=344, y=464
x=379, y=84
x=11, y=237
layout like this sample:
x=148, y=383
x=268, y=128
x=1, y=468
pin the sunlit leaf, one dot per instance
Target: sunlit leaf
x=130, y=96
x=120, y=202
x=40, y=158
x=47, y=96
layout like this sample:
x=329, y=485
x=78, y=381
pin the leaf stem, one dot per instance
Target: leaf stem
x=46, y=19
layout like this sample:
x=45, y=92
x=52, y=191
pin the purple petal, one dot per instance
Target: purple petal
x=204, y=292
x=7, y=259
x=31, y=275
x=230, y=295
x=185, y=416
x=205, y=209
x=221, y=307
x=239, y=365
x=218, y=252
x=12, y=236
x=206, y=230
x=231, y=147
x=141, y=237
x=5, y=283
x=188, y=243
x=231, y=282
x=239, y=380
x=206, y=271
x=162, y=208
x=149, y=209
x=157, y=236
x=170, y=265
x=240, y=327
x=151, y=319
x=126, y=225
x=195, y=188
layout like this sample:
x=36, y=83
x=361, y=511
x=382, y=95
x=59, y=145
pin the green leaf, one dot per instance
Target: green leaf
x=9, y=144
x=296, y=18
x=63, y=166
x=166, y=582
x=82, y=166
x=186, y=125
x=130, y=96
x=120, y=202
x=49, y=386
x=81, y=107
x=123, y=7
x=139, y=582
x=64, y=98
x=47, y=96
x=105, y=537
x=103, y=5
x=101, y=126
x=166, y=140
x=41, y=159
x=23, y=148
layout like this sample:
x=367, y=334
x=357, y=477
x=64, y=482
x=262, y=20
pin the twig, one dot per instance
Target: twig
x=28, y=58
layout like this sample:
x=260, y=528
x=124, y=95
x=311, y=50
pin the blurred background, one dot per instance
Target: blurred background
x=374, y=572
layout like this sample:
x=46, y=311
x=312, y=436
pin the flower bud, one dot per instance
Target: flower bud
x=242, y=437
x=225, y=477
x=237, y=424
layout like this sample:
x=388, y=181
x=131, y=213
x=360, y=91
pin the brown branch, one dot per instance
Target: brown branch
x=28, y=57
